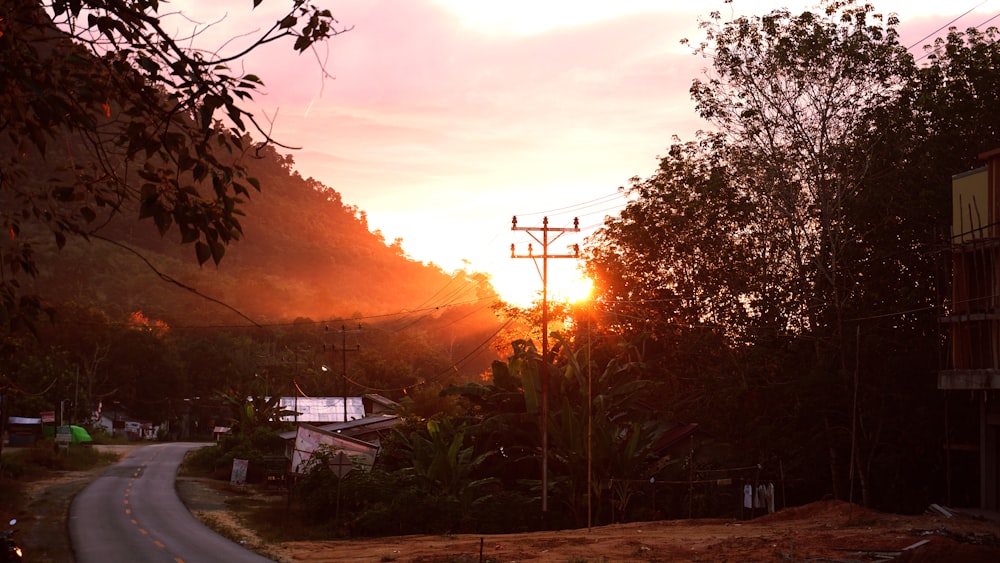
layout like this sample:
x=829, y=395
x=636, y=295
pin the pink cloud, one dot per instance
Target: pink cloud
x=430, y=121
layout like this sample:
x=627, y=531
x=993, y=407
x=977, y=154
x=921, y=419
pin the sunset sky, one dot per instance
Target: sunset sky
x=442, y=119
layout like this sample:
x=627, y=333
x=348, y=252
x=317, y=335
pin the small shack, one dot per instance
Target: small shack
x=309, y=438
x=23, y=431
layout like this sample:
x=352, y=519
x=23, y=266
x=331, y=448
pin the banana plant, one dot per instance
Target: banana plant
x=597, y=421
x=442, y=461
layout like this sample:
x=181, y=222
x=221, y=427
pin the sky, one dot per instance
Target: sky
x=443, y=119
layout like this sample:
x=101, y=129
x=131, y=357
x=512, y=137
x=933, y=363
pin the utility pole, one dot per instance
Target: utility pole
x=544, y=272
x=343, y=350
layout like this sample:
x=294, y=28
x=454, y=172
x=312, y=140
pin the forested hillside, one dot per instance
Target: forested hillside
x=304, y=253
x=134, y=320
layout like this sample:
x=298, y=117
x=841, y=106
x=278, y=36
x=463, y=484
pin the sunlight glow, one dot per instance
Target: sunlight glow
x=573, y=290
x=521, y=287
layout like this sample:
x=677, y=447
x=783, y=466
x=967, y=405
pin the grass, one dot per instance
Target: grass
x=237, y=533
x=21, y=464
x=44, y=456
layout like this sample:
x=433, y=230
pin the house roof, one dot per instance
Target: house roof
x=370, y=423
x=24, y=420
x=383, y=401
x=322, y=409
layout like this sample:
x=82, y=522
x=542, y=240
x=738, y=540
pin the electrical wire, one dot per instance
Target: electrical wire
x=590, y=203
x=945, y=26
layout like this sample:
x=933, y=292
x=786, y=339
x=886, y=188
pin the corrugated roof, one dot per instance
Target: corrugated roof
x=322, y=409
x=352, y=427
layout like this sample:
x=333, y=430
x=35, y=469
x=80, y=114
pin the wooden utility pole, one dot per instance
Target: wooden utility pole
x=343, y=350
x=544, y=272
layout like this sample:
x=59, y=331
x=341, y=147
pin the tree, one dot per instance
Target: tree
x=793, y=96
x=659, y=255
x=757, y=246
x=103, y=112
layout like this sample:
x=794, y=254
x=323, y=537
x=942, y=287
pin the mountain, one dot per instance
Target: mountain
x=304, y=257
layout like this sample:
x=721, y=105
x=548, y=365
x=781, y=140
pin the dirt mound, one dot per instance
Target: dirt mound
x=945, y=549
x=830, y=511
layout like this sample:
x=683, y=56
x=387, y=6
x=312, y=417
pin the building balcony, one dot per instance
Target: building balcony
x=969, y=379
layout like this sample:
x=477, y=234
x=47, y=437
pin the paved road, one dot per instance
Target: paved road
x=132, y=513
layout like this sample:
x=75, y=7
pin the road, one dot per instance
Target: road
x=132, y=513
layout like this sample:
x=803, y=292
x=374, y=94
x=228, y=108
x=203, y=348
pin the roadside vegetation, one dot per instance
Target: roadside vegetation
x=19, y=466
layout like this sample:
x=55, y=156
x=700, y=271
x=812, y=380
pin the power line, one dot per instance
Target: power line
x=475, y=350
x=590, y=203
x=936, y=31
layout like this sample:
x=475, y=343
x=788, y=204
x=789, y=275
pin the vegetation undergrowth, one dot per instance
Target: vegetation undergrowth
x=45, y=456
x=19, y=466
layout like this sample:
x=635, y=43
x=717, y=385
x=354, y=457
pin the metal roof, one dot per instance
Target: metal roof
x=370, y=423
x=322, y=409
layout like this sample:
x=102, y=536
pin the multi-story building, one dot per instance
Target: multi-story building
x=973, y=321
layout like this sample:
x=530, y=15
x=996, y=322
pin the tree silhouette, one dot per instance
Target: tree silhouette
x=104, y=112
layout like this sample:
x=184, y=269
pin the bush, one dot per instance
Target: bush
x=253, y=447
x=45, y=455
x=411, y=511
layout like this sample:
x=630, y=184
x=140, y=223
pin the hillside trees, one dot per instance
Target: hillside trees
x=127, y=116
x=783, y=250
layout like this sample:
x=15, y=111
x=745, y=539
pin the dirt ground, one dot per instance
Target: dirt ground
x=830, y=531
x=822, y=531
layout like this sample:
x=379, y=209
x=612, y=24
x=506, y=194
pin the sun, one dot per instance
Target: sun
x=573, y=290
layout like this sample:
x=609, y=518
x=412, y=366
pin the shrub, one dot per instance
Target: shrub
x=253, y=447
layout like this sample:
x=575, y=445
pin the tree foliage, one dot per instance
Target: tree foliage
x=128, y=118
x=792, y=96
x=787, y=262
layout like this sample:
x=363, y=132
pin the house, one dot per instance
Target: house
x=351, y=452
x=359, y=437
x=973, y=324
x=23, y=431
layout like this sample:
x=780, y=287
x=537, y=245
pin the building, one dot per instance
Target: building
x=359, y=437
x=973, y=325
